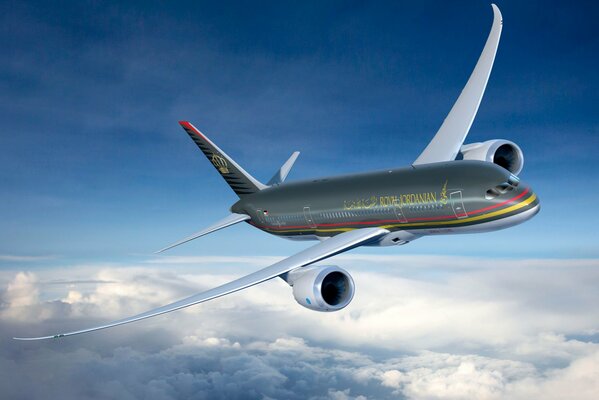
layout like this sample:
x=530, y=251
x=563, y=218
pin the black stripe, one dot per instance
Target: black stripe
x=236, y=180
x=237, y=183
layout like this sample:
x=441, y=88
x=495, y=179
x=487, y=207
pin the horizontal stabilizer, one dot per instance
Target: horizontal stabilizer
x=223, y=223
x=282, y=173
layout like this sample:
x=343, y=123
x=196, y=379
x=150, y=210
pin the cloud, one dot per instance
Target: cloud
x=16, y=258
x=20, y=295
x=417, y=329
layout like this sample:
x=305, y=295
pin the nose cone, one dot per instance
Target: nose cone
x=514, y=201
x=528, y=201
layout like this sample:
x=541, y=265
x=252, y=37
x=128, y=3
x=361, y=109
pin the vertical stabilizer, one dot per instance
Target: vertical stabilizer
x=240, y=181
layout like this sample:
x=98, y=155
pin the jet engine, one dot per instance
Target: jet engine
x=504, y=153
x=321, y=288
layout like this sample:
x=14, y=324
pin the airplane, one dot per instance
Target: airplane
x=451, y=188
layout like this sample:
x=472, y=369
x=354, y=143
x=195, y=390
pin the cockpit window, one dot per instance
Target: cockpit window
x=491, y=194
x=502, y=188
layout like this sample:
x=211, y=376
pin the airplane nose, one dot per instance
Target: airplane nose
x=530, y=197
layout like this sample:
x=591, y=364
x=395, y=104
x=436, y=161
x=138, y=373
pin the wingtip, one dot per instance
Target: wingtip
x=497, y=11
x=31, y=339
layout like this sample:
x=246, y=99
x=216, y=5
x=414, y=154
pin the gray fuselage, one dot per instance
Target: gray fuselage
x=440, y=198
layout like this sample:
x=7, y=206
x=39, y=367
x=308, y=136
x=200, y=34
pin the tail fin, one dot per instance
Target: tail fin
x=240, y=181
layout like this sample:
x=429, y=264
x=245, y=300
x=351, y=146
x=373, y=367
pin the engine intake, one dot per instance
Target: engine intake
x=504, y=153
x=321, y=288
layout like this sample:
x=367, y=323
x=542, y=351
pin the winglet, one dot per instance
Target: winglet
x=452, y=133
x=282, y=173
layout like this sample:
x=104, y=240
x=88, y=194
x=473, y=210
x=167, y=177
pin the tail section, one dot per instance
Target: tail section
x=240, y=181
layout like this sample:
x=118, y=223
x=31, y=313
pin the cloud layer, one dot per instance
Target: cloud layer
x=420, y=327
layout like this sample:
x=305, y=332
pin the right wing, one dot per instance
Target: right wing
x=452, y=133
x=328, y=248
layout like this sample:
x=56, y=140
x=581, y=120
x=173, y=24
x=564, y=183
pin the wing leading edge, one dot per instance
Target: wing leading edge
x=328, y=248
x=452, y=133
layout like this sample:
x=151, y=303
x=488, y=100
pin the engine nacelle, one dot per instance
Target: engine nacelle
x=504, y=153
x=321, y=288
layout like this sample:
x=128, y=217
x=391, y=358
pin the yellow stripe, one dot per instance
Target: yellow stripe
x=476, y=218
x=437, y=223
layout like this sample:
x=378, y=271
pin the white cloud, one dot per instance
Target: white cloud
x=578, y=380
x=511, y=329
x=21, y=295
x=21, y=258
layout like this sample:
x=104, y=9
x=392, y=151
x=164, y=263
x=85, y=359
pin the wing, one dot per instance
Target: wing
x=328, y=248
x=223, y=223
x=452, y=133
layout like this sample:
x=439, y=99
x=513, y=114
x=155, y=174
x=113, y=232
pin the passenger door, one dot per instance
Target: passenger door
x=399, y=213
x=308, y=217
x=457, y=203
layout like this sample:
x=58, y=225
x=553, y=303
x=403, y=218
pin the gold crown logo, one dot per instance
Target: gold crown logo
x=220, y=164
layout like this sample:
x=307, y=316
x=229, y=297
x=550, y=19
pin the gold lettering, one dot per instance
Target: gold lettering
x=400, y=200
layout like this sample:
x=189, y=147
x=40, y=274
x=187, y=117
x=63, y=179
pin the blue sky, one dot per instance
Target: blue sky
x=96, y=174
x=95, y=166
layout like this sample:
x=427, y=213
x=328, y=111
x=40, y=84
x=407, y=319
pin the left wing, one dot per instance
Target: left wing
x=328, y=248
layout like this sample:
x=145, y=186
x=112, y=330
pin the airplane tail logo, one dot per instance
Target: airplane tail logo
x=220, y=164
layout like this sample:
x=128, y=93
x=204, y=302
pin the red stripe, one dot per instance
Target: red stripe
x=481, y=210
x=189, y=127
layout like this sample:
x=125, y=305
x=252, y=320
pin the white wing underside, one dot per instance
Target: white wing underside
x=452, y=133
x=330, y=247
